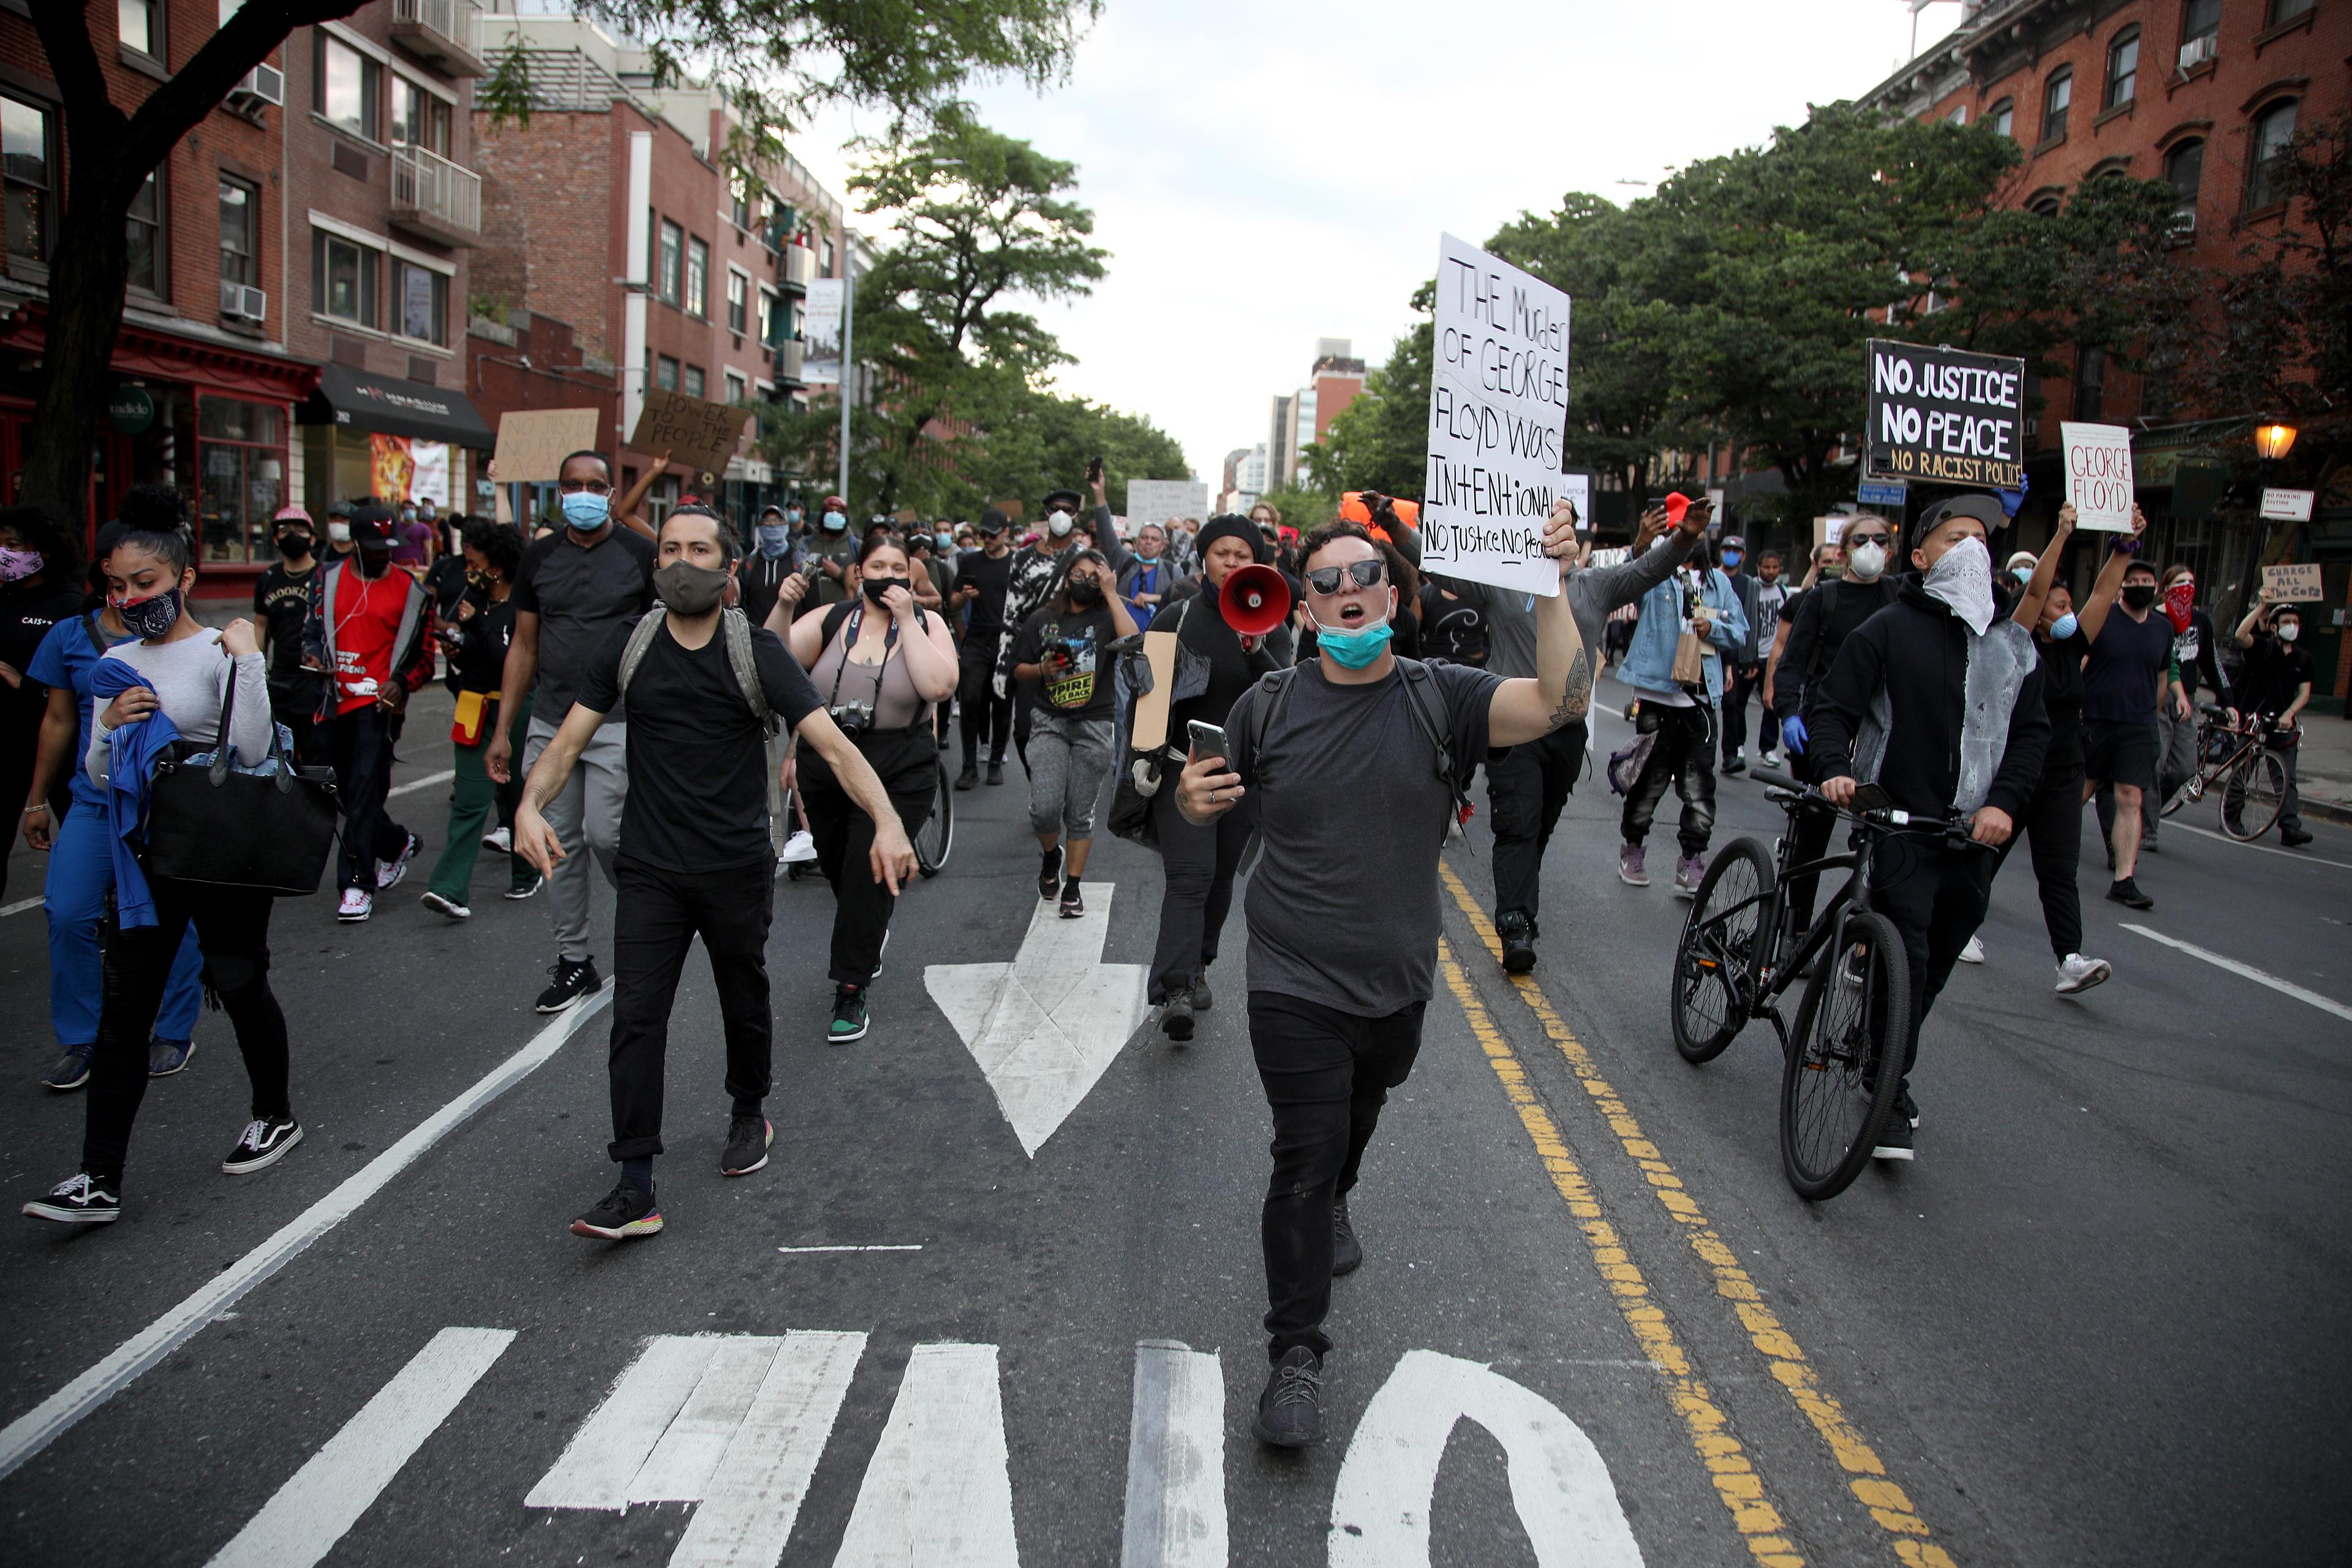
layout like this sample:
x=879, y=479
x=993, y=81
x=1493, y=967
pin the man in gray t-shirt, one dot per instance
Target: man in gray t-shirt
x=1355, y=791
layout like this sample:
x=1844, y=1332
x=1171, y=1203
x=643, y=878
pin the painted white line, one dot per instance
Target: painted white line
x=938, y=1490
x=2295, y=855
x=427, y=781
x=320, y=1502
x=20, y=907
x=1175, y=1460
x=35, y=1430
x=894, y=1246
x=611, y=1445
x=2247, y=970
x=746, y=1514
x=678, y=1469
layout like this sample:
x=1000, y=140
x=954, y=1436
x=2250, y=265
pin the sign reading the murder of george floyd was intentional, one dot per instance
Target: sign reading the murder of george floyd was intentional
x=1498, y=418
x=1943, y=417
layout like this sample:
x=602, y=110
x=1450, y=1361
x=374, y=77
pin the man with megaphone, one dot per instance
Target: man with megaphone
x=1355, y=761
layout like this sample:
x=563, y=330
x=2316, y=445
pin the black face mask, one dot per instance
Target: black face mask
x=1084, y=592
x=876, y=587
x=294, y=546
x=2139, y=595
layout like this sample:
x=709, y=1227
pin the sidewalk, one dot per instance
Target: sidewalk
x=2324, y=772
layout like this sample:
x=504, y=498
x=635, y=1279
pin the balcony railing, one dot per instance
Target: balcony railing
x=788, y=361
x=446, y=32
x=435, y=197
x=796, y=266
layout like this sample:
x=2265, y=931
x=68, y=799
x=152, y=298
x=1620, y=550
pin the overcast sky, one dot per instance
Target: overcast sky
x=1266, y=172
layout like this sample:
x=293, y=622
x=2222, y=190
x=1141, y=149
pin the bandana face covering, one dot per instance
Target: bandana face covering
x=1962, y=578
x=150, y=618
x=2178, y=601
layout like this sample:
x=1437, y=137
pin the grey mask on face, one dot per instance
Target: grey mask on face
x=689, y=589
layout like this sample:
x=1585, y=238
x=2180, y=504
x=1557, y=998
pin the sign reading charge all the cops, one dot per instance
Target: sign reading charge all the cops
x=1941, y=417
x=1497, y=416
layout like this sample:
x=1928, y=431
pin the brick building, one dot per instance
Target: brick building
x=1300, y=418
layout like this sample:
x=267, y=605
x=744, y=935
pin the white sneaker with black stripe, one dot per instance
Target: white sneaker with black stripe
x=265, y=1140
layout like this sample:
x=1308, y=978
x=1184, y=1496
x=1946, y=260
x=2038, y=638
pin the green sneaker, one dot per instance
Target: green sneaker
x=848, y=1014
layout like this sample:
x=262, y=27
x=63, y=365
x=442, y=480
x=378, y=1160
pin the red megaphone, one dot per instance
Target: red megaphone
x=1677, y=503
x=1255, y=600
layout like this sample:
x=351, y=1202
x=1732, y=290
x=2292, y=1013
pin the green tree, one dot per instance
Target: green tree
x=1028, y=441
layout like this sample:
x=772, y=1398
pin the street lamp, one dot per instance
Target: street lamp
x=2275, y=440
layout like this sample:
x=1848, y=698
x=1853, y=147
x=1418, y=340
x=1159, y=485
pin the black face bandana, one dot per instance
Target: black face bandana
x=2139, y=595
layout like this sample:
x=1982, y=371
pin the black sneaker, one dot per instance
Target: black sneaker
x=1176, y=1015
x=72, y=1069
x=748, y=1138
x=526, y=888
x=1519, y=934
x=2294, y=837
x=1893, y=1138
x=1073, y=903
x=970, y=776
x=165, y=1057
x=265, y=1140
x=1347, y=1252
x=624, y=1212
x=996, y=772
x=1290, y=1411
x=849, y=1019
x=1907, y=1108
x=2125, y=891
x=77, y=1200
x=1049, y=874
x=575, y=978
x=1736, y=763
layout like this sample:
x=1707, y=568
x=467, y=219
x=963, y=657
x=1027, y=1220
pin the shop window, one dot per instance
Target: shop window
x=143, y=230
x=2184, y=168
x=698, y=279
x=422, y=298
x=2123, y=68
x=666, y=373
x=2003, y=117
x=693, y=384
x=738, y=301
x=240, y=205
x=347, y=88
x=2274, y=136
x=28, y=167
x=343, y=277
x=418, y=118
x=2090, y=382
x=669, y=262
x=2056, y=98
x=139, y=23
x=240, y=477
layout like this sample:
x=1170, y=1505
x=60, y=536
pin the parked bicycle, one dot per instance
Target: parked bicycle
x=1841, y=1062
x=2234, y=752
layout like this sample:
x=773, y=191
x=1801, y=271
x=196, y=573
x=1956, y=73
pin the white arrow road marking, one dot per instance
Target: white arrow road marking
x=939, y=1491
x=1566, y=1503
x=325, y=1497
x=755, y=1498
x=1176, y=1461
x=1045, y=1026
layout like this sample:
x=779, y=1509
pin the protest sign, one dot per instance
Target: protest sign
x=2298, y=584
x=1497, y=422
x=532, y=444
x=2287, y=506
x=1577, y=487
x=699, y=436
x=820, y=333
x=431, y=479
x=1157, y=500
x=1941, y=417
x=2099, y=475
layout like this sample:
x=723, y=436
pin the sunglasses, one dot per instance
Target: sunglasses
x=1879, y=539
x=1364, y=574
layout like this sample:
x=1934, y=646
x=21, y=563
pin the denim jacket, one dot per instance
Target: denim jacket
x=1650, y=662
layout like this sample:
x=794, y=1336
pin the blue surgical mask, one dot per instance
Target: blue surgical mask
x=2064, y=626
x=586, y=512
x=1732, y=558
x=775, y=539
x=1354, y=648
x=836, y=521
x=944, y=540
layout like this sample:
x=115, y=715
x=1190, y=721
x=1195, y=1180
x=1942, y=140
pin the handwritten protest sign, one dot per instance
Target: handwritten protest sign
x=1944, y=416
x=2298, y=584
x=533, y=443
x=700, y=437
x=1497, y=418
x=2099, y=475
x=1157, y=500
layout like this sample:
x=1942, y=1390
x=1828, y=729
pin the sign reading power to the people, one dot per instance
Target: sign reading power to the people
x=1939, y=416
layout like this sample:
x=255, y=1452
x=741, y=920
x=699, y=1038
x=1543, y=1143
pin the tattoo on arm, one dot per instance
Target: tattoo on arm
x=1576, y=701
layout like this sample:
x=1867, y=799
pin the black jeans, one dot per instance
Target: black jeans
x=1743, y=685
x=2054, y=821
x=233, y=930
x=656, y=915
x=1197, y=889
x=983, y=710
x=906, y=762
x=1936, y=895
x=1527, y=788
x=1326, y=1074
x=1683, y=757
x=358, y=747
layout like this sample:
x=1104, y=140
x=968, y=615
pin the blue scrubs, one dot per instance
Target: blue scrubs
x=81, y=872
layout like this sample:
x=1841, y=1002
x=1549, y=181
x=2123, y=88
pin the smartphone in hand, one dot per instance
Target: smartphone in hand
x=1208, y=739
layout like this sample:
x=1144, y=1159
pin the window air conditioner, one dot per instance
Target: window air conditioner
x=240, y=300
x=2199, y=51
x=2184, y=223
x=262, y=84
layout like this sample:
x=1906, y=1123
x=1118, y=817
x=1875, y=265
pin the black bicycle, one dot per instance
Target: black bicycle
x=936, y=837
x=1842, y=1067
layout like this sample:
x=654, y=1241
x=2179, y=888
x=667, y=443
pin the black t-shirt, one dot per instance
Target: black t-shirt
x=581, y=594
x=27, y=613
x=2061, y=696
x=698, y=758
x=975, y=569
x=2119, y=683
x=282, y=599
x=2272, y=671
x=1085, y=691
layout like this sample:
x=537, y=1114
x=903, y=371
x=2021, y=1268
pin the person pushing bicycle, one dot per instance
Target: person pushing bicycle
x=1937, y=700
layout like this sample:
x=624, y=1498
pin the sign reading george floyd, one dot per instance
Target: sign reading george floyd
x=2099, y=484
x=698, y=436
x=1497, y=421
x=1943, y=417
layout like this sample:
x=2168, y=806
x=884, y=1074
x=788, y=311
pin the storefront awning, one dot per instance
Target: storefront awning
x=365, y=402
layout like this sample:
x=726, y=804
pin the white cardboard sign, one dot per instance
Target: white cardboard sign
x=2287, y=506
x=1498, y=419
x=1157, y=500
x=2099, y=475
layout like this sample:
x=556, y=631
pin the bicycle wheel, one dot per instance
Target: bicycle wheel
x=936, y=837
x=1845, y=1068
x=2257, y=790
x=2192, y=788
x=1715, y=963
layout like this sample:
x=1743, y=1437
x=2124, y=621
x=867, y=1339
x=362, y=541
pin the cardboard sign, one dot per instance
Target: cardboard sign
x=2099, y=475
x=1944, y=416
x=1497, y=422
x=2295, y=584
x=2287, y=506
x=1158, y=501
x=532, y=444
x=1151, y=708
x=699, y=436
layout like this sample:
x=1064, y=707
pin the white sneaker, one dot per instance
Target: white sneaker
x=1768, y=759
x=1973, y=953
x=2080, y=974
x=450, y=907
x=500, y=839
x=389, y=873
x=357, y=905
x=800, y=848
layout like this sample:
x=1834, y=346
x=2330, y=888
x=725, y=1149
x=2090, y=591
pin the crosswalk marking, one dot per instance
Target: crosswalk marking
x=939, y=1491
x=755, y=1494
x=678, y=1468
x=326, y=1497
x=1176, y=1461
x=611, y=1445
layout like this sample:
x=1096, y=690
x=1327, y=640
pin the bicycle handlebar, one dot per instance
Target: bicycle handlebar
x=1886, y=819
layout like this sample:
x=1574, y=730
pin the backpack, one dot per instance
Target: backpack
x=735, y=630
x=1422, y=702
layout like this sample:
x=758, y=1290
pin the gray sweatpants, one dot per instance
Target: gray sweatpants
x=1068, y=760
x=589, y=807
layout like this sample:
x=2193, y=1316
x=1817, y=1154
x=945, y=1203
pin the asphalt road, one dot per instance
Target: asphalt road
x=2097, y=1322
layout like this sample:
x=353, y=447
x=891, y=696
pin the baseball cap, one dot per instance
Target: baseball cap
x=292, y=514
x=372, y=525
x=1985, y=509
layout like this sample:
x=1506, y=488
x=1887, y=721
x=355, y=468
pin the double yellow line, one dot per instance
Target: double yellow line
x=1758, y=1521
